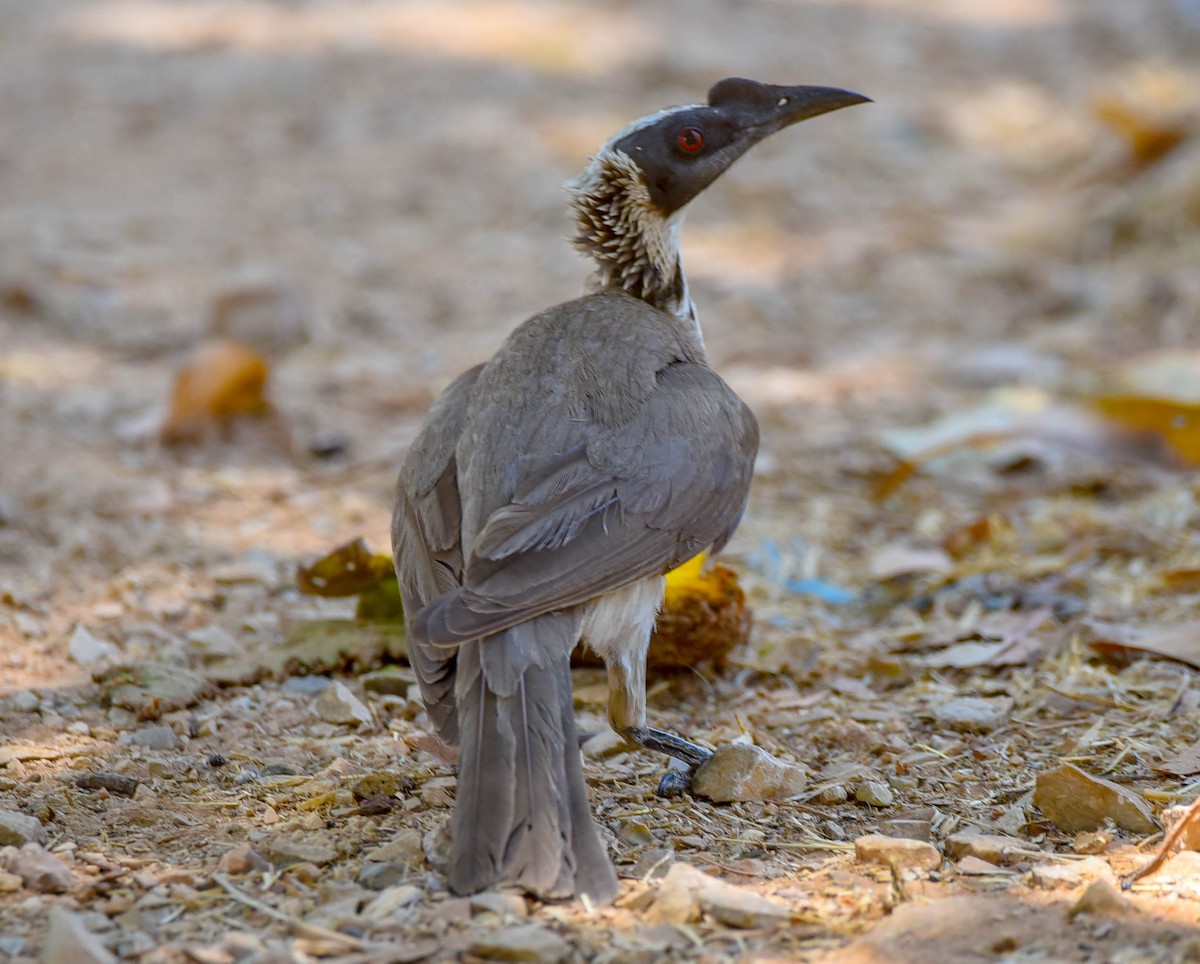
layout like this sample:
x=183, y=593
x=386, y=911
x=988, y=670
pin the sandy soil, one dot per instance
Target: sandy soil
x=370, y=194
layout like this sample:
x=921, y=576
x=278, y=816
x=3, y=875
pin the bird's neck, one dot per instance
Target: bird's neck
x=634, y=246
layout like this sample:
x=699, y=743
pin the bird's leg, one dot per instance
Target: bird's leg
x=627, y=715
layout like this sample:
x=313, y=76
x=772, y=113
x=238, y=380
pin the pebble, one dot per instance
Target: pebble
x=390, y=900
x=386, y=682
x=283, y=851
x=743, y=771
x=526, y=942
x=268, y=315
x=974, y=866
x=68, y=941
x=156, y=737
x=654, y=862
x=1101, y=899
x=212, y=642
x=875, y=793
x=994, y=848
x=40, y=870
x=1074, y=800
x=380, y=876
x=242, y=859
x=10, y=883
x=1053, y=874
x=974, y=714
x=20, y=828
x=502, y=904
x=337, y=704
x=1091, y=842
x=686, y=892
x=116, y=783
x=85, y=648
x=900, y=853
x=404, y=848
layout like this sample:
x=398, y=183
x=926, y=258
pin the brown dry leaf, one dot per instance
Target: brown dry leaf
x=1150, y=108
x=224, y=379
x=348, y=570
x=1180, y=642
x=1176, y=423
x=1183, y=764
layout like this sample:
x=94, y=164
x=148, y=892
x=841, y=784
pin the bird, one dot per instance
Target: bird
x=552, y=487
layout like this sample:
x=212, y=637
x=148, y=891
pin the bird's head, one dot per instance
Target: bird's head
x=628, y=201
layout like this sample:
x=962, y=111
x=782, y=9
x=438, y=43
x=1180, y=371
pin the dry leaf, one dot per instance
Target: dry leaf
x=1183, y=764
x=1180, y=643
x=224, y=379
x=348, y=570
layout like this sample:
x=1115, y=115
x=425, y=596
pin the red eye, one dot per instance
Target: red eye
x=690, y=140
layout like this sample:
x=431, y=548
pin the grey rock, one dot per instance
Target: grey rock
x=17, y=829
x=900, y=853
x=525, y=942
x=378, y=875
x=974, y=714
x=86, y=648
x=40, y=870
x=156, y=737
x=68, y=941
x=742, y=771
x=875, y=793
x=337, y=704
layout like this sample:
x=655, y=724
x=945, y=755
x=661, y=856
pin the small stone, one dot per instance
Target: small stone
x=900, y=853
x=85, y=648
x=974, y=714
x=603, y=745
x=972, y=866
x=911, y=827
x=678, y=897
x=12, y=946
x=337, y=704
x=742, y=771
x=20, y=828
x=404, y=848
x=1101, y=899
x=386, y=682
x=40, y=870
x=654, y=862
x=213, y=642
x=1091, y=842
x=157, y=737
x=686, y=892
x=831, y=796
x=387, y=782
x=115, y=783
x=526, y=942
x=501, y=904
x=152, y=689
x=1053, y=876
x=242, y=859
x=1074, y=800
x=381, y=876
x=68, y=941
x=994, y=848
x=390, y=900
x=283, y=851
x=10, y=883
x=875, y=793
x=736, y=906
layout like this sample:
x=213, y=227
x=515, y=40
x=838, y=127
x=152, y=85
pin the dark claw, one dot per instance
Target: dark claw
x=674, y=783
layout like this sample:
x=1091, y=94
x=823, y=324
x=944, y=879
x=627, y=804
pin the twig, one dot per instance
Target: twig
x=301, y=927
x=1190, y=815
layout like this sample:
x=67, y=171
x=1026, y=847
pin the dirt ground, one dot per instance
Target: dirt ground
x=940, y=305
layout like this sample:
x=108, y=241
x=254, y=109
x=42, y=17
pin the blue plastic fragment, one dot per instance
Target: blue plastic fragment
x=822, y=590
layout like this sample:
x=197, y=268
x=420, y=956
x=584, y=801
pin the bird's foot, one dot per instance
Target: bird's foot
x=675, y=781
x=673, y=746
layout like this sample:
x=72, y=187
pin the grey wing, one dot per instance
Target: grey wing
x=608, y=505
x=426, y=541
